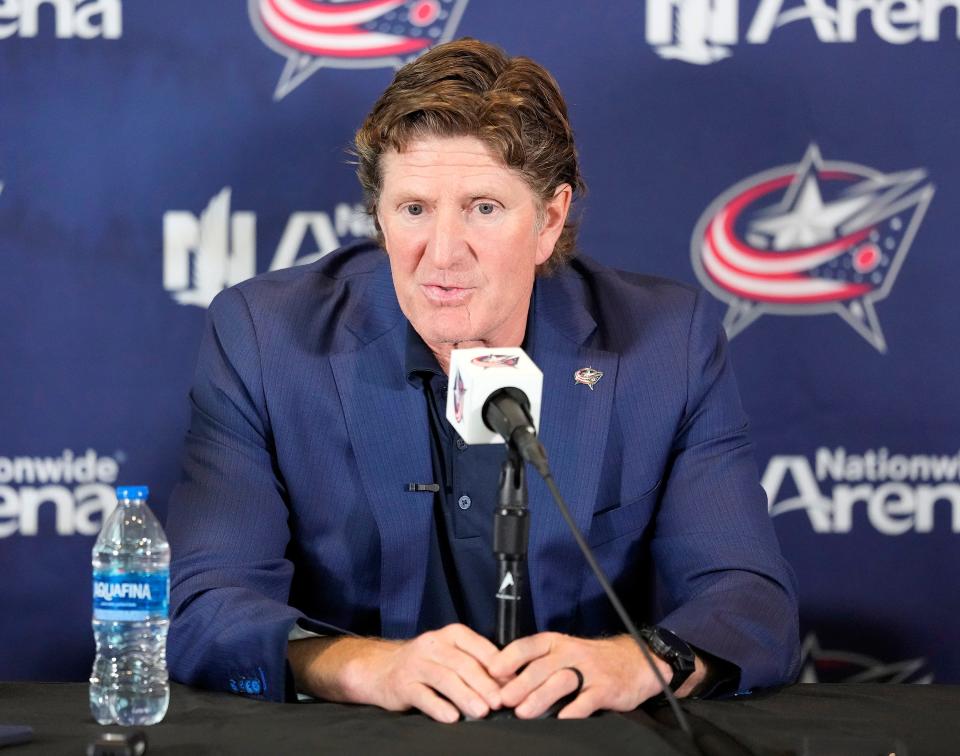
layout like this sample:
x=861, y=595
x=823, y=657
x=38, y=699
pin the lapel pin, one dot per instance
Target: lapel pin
x=588, y=376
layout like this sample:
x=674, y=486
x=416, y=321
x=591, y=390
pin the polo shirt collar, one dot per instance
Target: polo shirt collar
x=417, y=358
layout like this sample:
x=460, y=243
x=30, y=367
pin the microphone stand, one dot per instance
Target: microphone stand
x=511, y=531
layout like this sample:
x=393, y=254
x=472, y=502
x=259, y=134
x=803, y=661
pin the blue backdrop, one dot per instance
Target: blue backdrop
x=796, y=158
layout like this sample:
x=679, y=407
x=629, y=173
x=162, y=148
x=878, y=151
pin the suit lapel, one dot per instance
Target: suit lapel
x=574, y=421
x=387, y=422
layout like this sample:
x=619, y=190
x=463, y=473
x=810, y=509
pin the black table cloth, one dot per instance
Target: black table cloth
x=811, y=720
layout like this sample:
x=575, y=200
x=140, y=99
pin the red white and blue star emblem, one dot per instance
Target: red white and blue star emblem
x=314, y=34
x=459, y=390
x=811, y=238
x=496, y=360
x=835, y=666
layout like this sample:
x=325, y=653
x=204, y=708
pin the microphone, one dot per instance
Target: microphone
x=494, y=397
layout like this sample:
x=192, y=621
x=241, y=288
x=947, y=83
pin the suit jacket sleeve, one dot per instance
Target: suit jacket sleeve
x=227, y=524
x=724, y=585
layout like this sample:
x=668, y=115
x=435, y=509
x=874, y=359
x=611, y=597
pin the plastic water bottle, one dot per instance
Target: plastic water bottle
x=131, y=590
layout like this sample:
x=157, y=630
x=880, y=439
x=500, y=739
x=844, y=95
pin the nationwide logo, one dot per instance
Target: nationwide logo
x=831, y=666
x=206, y=254
x=313, y=34
x=71, y=18
x=705, y=31
x=811, y=238
x=77, y=489
x=892, y=493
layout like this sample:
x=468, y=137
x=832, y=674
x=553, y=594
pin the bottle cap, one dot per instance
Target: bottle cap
x=132, y=493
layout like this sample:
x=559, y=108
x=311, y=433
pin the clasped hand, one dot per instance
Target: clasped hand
x=452, y=670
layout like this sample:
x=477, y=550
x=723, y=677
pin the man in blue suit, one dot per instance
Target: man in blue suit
x=302, y=559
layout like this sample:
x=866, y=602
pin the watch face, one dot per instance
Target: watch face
x=670, y=648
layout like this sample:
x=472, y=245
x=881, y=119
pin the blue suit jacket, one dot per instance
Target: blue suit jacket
x=305, y=433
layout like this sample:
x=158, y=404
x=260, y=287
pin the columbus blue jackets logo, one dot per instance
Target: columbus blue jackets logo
x=496, y=360
x=818, y=664
x=314, y=34
x=458, y=392
x=808, y=239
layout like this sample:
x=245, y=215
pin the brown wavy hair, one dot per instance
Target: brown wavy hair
x=472, y=88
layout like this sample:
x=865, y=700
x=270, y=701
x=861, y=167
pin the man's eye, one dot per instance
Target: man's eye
x=414, y=209
x=486, y=208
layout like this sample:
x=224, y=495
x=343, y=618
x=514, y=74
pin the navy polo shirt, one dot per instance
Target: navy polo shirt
x=461, y=580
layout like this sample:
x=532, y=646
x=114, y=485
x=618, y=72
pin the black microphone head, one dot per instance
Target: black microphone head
x=506, y=410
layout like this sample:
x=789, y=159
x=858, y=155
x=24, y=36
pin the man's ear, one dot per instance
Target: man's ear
x=554, y=215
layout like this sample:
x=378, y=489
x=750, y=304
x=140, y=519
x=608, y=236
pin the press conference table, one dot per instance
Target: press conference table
x=819, y=720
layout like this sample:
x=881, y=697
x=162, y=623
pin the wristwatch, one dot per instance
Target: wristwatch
x=674, y=651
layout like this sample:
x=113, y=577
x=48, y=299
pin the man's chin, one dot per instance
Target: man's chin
x=454, y=341
x=448, y=338
x=444, y=325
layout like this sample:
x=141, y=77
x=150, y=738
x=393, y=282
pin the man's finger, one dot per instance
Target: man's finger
x=473, y=673
x=473, y=643
x=582, y=706
x=522, y=651
x=557, y=685
x=449, y=684
x=426, y=700
x=535, y=674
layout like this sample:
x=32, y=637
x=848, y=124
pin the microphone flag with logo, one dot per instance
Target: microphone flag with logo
x=475, y=375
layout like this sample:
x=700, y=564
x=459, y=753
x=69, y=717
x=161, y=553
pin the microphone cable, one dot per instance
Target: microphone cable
x=545, y=473
x=507, y=412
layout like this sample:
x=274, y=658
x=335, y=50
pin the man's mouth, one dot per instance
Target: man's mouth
x=445, y=294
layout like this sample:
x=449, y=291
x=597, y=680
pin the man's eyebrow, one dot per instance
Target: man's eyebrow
x=406, y=195
x=472, y=194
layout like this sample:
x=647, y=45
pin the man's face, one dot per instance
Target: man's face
x=464, y=235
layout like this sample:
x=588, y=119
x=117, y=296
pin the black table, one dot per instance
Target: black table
x=814, y=720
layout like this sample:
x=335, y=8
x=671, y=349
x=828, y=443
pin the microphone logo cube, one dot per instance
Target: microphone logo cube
x=481, y=371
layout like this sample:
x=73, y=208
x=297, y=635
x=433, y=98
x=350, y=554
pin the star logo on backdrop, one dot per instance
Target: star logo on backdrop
x=831, y=666
x=811, y=238
x=315, y=34
x=805, y=220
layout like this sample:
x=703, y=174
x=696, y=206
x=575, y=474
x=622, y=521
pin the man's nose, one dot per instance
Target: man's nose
x=447, y=245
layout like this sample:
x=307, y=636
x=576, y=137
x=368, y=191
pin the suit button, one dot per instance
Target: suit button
x=464, y=502
x=461, y=444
